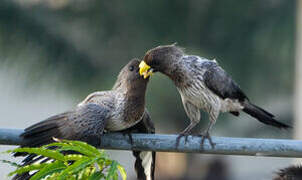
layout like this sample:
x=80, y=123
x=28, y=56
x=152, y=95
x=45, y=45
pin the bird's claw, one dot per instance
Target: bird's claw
x=205, y=136
x=129, y=136
x=180, y=136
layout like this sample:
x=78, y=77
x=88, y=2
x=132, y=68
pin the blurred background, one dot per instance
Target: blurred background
x=55, y=52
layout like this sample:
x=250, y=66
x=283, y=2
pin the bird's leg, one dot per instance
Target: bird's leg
x=185, y=133
x=129, y=134
x=130, y=138
x=194, y=115
x=206, y=134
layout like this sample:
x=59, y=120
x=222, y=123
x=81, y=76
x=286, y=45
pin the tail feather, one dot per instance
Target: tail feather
x=41, y=133
x=23, y=176
x=43, y=128
x=264, y=111
x=37, y=135
x=263, y=116
x=45, y=125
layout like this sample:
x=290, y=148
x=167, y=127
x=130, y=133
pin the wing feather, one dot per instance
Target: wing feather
x=218, y=81
x=86, y=123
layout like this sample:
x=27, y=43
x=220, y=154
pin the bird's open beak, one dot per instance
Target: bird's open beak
x=145, y=70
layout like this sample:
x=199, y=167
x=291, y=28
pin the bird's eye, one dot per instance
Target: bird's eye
x=131, y=68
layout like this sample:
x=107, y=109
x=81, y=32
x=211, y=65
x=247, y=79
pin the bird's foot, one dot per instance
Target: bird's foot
x=182, y=134
x=204, y=136
x=129, y=134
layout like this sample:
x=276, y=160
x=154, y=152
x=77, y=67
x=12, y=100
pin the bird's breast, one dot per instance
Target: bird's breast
x=126, y=113
x=199, y=95
x=205, y=99
x=120, y=120
x=118, y=124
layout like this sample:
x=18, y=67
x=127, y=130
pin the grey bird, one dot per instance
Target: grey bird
x=202, y=84
x=119, y=109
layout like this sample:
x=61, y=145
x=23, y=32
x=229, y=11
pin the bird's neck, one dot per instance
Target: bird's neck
x=174, y=69
x=133, y=93
x=135, y=104
x=136, y=93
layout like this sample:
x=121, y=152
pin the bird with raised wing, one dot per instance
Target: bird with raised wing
x=202, y=84
x=119, y=109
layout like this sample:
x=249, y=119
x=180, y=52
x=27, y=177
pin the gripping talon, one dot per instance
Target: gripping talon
x=180, y=136
x=205, y=136
x=129, y=136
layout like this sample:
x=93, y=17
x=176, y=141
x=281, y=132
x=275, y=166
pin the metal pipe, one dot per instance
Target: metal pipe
x=166, y=143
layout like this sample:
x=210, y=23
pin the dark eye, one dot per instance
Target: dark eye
x=131, y=68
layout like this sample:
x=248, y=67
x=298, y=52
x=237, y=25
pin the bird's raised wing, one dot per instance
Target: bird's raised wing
x=218, y=81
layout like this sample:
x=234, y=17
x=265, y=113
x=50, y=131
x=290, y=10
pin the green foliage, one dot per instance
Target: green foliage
x=87, y=164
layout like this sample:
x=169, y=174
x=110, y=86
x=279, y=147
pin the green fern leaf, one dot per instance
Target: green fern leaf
x=28, y=168
x=90, y=164
x=50, y=168
x=112, y=170
x=73, y=157
x=77, y=149
x=84, y=145
x=115, y=177
x=76, y=167
x=87, y=172
x=122, y=172
x=62, y=146
x=43, y=152
x=97, y=176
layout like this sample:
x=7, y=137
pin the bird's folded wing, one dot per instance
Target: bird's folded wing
x=219, y=82
x=86, y=123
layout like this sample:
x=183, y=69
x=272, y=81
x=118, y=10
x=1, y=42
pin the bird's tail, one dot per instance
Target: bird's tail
x=42, y=133
x=263, y=116
x=37, y=135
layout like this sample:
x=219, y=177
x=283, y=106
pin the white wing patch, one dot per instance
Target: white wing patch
x=146, y=157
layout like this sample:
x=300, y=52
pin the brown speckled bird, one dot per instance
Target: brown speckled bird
x=202, y=84
x=119, y=109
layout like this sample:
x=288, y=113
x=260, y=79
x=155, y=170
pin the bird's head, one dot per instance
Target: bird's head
x=129, y=76
x=159, y=59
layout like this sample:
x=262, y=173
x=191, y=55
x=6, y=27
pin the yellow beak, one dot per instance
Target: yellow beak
x=145, y=70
